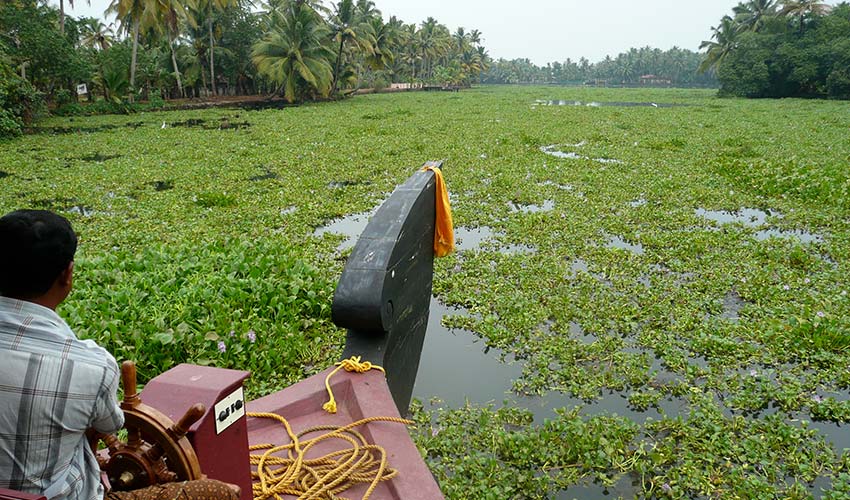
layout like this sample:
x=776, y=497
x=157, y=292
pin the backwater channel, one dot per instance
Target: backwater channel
x=458, y=368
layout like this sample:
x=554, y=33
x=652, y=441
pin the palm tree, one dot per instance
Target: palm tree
x=751, y=16
x=129, y=13
x=725, y=40
x=209, y=6
x=166, y=15
x=346, y=28
x=384, y=38
x=293, y=53
x=475, y=37
x=95, y=34
x=62, y=13
x=434, y=41
x=366, y=10
x=801, y=8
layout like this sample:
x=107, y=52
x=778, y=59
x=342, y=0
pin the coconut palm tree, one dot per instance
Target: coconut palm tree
x=801, y=8
x=129, y=14
x=347, y=28
x=434, y=42
x=166, y=16
x=366, y=10
x=725, y=40
x=62, y=13
x=95, y=34
x=384, y=39
x=208, y=8
x=293, y=54
x=753, y=15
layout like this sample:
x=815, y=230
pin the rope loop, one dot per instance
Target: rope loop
x=326, y=477
x=352, y=364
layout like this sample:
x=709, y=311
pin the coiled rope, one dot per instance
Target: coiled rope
x=327, y=476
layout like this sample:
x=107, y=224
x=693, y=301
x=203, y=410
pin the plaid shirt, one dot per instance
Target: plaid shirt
x=53, y=387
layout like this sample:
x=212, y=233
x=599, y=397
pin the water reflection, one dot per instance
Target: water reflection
x=618, y=242
x=457, y=367
x=755, y=218
x=547, y=206
x=602, y=104
x=552, y=150
x=351, y=227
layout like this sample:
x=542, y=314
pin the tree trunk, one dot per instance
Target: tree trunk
x=212, y=59
x=336, y=66
x=133, y=60
x=176, y=70
x=62, y=16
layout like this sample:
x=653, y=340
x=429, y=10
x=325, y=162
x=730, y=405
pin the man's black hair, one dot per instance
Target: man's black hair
x=35, y=247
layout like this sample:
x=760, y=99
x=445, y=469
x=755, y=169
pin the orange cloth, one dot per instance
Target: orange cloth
x=444, y=234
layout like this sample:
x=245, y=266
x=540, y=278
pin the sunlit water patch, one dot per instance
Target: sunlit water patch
x=473, y=239
x=351, y=227
x=552, y=150
x=562, y=187
x=547, y=206
x=749, y=217
x=732, y=305
x=457, y=367
x=798, y=234
x=602, y=104
x=620, y=243
x=81, y=210
x=757, y=219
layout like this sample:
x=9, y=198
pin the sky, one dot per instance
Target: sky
x=552, y=30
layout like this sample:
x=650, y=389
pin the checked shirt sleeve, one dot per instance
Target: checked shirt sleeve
x=108, y=416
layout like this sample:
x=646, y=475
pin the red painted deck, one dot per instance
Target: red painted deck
x=358, y=395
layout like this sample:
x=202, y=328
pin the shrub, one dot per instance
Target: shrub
x=19, y=101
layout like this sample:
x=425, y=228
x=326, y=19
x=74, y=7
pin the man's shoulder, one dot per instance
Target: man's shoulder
x=39, y=331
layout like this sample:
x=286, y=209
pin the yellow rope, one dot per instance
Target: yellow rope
x=352, y=364
x=325, y=477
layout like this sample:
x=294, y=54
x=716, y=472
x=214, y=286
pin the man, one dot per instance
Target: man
x=55, y=388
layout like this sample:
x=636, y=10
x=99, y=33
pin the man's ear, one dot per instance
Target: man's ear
x=66, y=279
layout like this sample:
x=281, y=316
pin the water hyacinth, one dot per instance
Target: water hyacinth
x=211, y=275
x=252, y=337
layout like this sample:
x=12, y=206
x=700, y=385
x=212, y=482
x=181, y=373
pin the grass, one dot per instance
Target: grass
x=191, y=231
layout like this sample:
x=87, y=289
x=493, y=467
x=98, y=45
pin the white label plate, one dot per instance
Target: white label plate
x=230, y=409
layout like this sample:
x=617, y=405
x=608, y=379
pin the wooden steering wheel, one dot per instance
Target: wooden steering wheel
x=156, y=450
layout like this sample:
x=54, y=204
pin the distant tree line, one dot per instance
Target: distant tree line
x=789, y=48
x=169, y=49
x=644, y=66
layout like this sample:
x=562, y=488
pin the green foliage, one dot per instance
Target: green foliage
x=801, y=50
x=63, y=97
x=494, y=454
x=50, y=57
x=235, y=304
x=745, y=72
x=19, y=101
x=602, y=283
x=209, y=200
x=676, y=66
x=293, y=54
